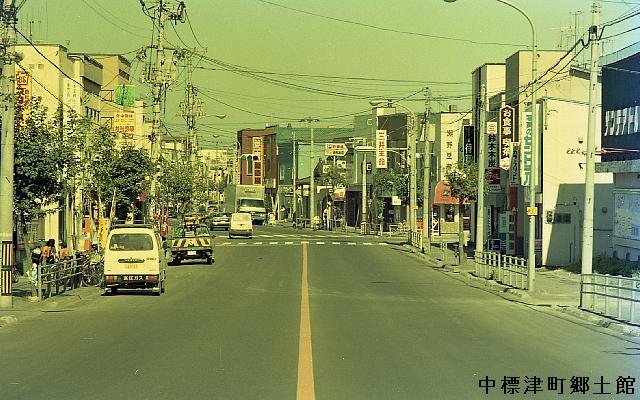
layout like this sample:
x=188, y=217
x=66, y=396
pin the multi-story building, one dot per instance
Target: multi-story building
x=620, y=133
x=562, y=115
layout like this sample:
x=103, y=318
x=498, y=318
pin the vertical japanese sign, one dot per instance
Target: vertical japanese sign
x=506, y=135
x=23, y=92
x=492, y=171
x=526, y=150
x=125, y=95
x=468, y=149
x=514, y=172
x=381, y=148
x=257, y=148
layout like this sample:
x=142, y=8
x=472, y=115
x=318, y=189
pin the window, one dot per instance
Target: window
x=131, y=242
x=450, y=213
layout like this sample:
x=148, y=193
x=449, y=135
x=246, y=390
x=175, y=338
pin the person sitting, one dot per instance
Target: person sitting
x=49, y=251
x=64, y=252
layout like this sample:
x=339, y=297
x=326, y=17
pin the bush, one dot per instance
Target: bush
x=608, y=266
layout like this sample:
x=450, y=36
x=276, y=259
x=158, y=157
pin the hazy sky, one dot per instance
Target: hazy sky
x=329, y=40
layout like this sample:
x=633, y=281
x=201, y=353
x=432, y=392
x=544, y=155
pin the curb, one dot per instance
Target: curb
x=573, y=311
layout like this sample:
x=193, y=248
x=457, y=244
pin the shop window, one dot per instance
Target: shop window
x=450, y=213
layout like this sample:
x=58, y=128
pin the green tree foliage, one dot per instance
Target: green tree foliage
x=131, y=174
x=177, y=184
x=43, y=161
x=464, y=186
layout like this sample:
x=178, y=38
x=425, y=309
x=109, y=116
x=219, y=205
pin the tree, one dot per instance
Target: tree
x=177, y=184
x=131, y=174
x=44, y=159
x=464, y=186
x=333, y=178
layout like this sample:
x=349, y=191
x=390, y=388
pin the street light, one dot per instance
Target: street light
x=411, y=144
x=532, y=209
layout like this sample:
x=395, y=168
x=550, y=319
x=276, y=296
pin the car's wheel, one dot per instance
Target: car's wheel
x=114, y=291
x=209, y=260
x=176, y=261
x=162, y=287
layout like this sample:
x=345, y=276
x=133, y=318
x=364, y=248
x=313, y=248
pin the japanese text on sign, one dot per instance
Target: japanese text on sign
x=381, y=148
x=125, y=123
x=23, y=92
x=526, y=152
x=506, y=132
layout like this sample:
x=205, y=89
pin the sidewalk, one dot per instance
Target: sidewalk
x=558, y=290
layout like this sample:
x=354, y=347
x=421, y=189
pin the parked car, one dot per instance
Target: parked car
x=134, y=259
x=240, y=225
x=219, y=221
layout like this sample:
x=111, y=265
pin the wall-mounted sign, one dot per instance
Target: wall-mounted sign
x=125, y=124
x=23, y=93
x=506, y=136
x=468, y=149
x=514, y=172
x=492, y=127
x=493, y=180
x=526, y=151
x=381, y=148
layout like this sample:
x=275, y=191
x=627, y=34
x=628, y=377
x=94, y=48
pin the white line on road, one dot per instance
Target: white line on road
x=367, y=244
x=288, y=242
x=352, y=243
x=273, y=242
x=335, y=242
x=319, y=242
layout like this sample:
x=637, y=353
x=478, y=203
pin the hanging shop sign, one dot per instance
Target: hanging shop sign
x=381, y=148
x=506, y=136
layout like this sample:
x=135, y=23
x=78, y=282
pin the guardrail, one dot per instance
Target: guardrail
x=415, y=240
x=612, y=296
x=60, y=276
x=508, y=270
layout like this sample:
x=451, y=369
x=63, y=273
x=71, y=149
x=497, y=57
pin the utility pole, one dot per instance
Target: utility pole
x=482, y=136
x=587, y=226
x=294, y=178
x=363, y=223
x=413, y=195
x=426, y=190
x=158, y=77
x=312, y=177
x=7, y=148
x=190, y=109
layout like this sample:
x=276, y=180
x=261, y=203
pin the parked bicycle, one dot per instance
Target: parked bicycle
x=93, y=268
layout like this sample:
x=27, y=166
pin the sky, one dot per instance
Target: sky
x=321, y=59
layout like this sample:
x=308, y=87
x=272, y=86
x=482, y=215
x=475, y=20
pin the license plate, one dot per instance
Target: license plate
x=133, y=278
x=131, y=266
x=191, y=253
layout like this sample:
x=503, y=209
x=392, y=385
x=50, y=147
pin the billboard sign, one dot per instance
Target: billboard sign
x=125, y=95
x=125, y=124
x=381, y=148
x=506, y=136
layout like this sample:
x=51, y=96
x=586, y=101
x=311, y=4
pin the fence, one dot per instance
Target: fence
x=611, y=296
x=508, y=270
x=60, y=276
x=415, y=239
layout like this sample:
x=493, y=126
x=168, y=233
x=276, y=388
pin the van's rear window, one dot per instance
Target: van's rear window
x=131, y=242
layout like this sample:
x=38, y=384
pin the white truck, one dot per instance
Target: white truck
x=246, y=198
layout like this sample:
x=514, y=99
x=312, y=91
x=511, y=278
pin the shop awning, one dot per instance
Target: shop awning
x=442, y=194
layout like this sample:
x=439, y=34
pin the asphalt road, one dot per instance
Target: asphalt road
x=360, y=319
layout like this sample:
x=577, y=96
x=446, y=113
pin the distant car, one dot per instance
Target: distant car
x=240, y=225
x=219, y=221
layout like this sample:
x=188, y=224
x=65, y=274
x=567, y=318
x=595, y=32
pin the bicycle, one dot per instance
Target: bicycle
x=92, y=269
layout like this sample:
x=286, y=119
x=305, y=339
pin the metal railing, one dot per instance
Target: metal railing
x=612, y=296
x=508, y=270
x=415, y=239
x=61, y=276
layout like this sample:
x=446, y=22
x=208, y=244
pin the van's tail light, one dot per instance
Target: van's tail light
x=110, y=278
x=152, y=277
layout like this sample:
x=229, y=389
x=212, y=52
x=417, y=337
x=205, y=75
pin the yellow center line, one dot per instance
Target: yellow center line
x=306, y=388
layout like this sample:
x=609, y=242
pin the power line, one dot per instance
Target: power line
x=388, y=29
x=110, y=21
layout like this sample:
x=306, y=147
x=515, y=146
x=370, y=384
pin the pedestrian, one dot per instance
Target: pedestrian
x=64, y=251
x=325, y=217
x=49, y=251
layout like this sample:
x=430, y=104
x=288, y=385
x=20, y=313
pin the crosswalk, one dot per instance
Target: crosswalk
x=296, y=243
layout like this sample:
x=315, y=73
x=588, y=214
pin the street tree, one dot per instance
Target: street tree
x=177, y=185
x=43, y=161
x=463, y=181
x=334, y=178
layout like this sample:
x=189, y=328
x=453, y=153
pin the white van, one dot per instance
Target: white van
x=134, y=259
x=240, y=224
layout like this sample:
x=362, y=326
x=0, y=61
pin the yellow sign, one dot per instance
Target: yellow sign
x=124, y=123
x=531, y=211
x=23, y=91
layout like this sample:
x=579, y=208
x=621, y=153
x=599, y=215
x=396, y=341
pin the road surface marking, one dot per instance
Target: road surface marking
x=273, y=242
x=257, y=242
x=304, y=242
x=367, y=244
x=352, y=243
x=335, y=242
x=306, y=388
x=242, y=243
x=383, y=244
x=319, y=242
x=288, y=242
